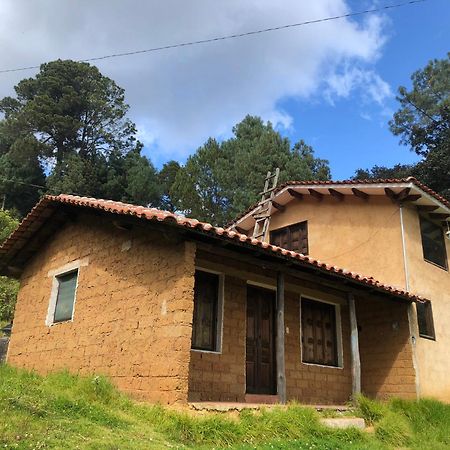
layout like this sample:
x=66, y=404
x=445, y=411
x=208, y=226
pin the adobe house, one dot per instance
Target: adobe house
x=174, y=310
x=394, y=230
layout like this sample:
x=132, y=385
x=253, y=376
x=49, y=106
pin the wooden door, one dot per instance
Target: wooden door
x=260, y=359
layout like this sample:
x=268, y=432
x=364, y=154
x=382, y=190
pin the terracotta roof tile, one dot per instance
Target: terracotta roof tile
x=25, y=230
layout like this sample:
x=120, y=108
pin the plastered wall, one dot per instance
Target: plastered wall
x=365, y=237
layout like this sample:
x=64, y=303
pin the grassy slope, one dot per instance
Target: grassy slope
x=66, y=411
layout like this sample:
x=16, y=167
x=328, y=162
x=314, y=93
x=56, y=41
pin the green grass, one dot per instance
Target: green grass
x=67, y=411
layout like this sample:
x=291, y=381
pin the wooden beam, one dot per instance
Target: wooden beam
x=280, y=351
x=439, y=216
x=402, y=195
x=427, y=208
x=360, y=194
x=354, y=341
x=336, y=194
x=391, y=194
x=317, y=195
x=412, y=198
x=280, y=208
x=295, y=194
x=257, y=259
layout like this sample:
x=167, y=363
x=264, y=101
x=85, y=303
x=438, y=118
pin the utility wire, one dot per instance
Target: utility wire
x=232, y=36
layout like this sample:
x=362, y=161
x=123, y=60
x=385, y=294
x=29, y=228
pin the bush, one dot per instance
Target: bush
x=8, y=295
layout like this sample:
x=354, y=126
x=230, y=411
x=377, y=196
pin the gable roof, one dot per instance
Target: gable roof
x=345, y=187
x=42, y=213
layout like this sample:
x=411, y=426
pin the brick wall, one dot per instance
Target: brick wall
x=221, y=377
x=133, y=311
x=309, y=383
x=385, y=347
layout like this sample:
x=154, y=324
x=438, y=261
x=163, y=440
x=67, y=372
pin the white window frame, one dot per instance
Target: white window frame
x=340, y=351
x=220, y=312
x=55, y=274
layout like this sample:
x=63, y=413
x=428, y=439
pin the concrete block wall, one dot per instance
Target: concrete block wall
x=133, y=310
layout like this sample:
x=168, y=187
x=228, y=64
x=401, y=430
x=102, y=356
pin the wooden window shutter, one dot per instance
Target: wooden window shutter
x=66, y=296
x=293, y=237
x=319, y=338
x=206, y=299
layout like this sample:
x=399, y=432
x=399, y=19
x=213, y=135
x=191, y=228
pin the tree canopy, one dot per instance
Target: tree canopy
x=8, y=286
x=423, y=124
x=222, y=179
x=67, y=130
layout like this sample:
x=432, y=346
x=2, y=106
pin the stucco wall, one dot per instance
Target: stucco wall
x=133, y=311
x=431, y=282
x=365, y=237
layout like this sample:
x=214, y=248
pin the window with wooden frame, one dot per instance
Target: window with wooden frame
x=319, y=333
x=433, y=243
x=65, y=299
x=205, y=325
x=293, y=237
x=425, y=320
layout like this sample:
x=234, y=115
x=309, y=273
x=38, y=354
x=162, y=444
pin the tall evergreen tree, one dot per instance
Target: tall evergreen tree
x=71, y=121
x=222, y=179
x=423, y=124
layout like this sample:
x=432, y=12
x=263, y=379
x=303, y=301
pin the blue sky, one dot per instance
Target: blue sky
x=352, y=135
x=332, y=84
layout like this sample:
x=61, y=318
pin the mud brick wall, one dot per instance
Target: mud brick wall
x=133, y=310
x=309, y=383
x=221, y=377
x=385, y=347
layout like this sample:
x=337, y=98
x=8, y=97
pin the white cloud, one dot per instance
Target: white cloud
x=179, y=97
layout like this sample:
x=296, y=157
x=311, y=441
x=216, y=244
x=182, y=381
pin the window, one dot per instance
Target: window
x=433, y=243
x=65, y=298
x=294, y=237
x=207, y=312
x=319, y=337
x=425, y=320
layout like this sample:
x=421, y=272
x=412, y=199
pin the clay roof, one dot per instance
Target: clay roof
x=37, y=215
x=343, y=183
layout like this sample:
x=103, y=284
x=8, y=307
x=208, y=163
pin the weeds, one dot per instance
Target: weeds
x=67, y=411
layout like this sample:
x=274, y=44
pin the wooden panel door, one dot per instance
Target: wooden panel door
x=260, y=359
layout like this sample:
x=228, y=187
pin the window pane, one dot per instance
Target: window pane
x=425, y=320
x=206, y=298
x=66, y=297
x=433, y=243
x=319, y=341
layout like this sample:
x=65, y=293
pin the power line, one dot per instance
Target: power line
x=232, y=36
